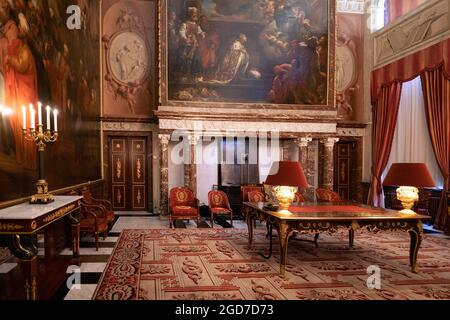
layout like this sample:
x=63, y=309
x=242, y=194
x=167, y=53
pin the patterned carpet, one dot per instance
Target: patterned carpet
x=215, y=264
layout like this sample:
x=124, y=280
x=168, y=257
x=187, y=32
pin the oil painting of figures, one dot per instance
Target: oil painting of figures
x=248, y=51
x=41, y=60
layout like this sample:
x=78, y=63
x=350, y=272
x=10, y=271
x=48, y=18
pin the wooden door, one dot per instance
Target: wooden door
x=129, y=173
x=344, y=163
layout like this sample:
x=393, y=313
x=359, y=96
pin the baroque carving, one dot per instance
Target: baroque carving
x=59, y=213
x=127, y=57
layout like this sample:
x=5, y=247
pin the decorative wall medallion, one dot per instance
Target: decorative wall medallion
x=127, y=58
x=345, y=68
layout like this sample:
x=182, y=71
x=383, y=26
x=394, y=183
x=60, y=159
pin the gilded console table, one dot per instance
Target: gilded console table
x=20, y=224
x=330, y=217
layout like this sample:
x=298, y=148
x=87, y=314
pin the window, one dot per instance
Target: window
x=412, y=142
x=377, y=12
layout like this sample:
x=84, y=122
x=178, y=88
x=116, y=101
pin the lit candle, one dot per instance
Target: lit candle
x=32, y=117
x=40, y=113
x=55, y=116
x=24, y=118
x=48, y=109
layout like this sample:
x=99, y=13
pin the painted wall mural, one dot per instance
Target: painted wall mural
x=130, y=58
x=42, y=60
x=350, y=66
x=248, y=51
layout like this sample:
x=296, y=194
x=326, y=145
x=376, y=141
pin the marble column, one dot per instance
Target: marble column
x=303, y=144
x=164, y=178
x=328, y=163
x=285, y=152
x=192, y=166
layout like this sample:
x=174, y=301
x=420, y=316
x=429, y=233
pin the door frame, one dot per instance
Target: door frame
x=149, y=159
x=356, y=172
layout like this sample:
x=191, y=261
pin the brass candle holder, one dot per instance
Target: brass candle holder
x=41, y=138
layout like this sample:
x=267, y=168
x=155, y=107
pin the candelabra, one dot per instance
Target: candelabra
x=41, y=137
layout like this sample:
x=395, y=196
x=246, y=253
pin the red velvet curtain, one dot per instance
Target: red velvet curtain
x=436, y=93
x=397, y=8
x=386, y=92
x=385, y=113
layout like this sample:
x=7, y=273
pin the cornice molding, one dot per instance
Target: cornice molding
x=422, y=28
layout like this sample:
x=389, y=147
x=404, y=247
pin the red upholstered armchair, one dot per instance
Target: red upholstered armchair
x=256, y=196
x=219, y=205
x=325, y=195
x=183, y=205
x=299, y=198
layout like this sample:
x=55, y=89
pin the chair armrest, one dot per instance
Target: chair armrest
x=107, y=204
x=101, y=210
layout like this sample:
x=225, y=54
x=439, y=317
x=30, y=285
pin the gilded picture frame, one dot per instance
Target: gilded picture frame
x=175, y=90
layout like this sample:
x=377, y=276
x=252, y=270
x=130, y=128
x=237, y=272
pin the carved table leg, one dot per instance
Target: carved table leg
x=29, y=269
x=283, y=234
x=25, y=248
x=416, y=234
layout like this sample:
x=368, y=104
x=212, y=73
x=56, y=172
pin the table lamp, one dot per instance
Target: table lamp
x=286, y=177
x=408, y=177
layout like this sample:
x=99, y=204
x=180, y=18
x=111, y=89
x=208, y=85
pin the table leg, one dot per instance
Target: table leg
x=283, y=234
x=316, y=238
x=416, y=234
x=29, y=270
x=25, y=248
x=250, y=223
x=351, y=237
x=75, y=226
x=269, y=234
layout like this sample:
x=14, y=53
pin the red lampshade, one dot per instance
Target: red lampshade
x=288, y=174
x=409, y=175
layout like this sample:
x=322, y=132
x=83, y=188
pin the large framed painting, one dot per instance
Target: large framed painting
x=41, y=59
x=248, y=52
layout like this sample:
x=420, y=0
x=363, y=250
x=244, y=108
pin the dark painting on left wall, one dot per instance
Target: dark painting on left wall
x=42, y=60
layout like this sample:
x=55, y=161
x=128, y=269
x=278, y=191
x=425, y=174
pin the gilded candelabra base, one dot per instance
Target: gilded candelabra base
x=42, y=196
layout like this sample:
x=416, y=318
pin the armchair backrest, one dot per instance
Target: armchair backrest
x=182, y=197
x=325, y=195
x=299, y=198
x=87, y=195
x=218, y=199
x=256, y=196
x=245, y=189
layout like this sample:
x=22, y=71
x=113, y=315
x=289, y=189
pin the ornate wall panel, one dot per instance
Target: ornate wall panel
x=129, y=58
x=62, y=70
x=415, y=31
x=350, y=66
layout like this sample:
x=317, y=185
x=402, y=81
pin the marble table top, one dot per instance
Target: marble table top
x=27, y=211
